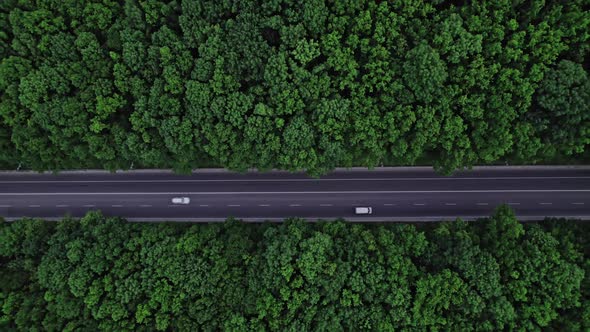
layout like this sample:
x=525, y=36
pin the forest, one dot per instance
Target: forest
x=293, y=85
x=100, y=273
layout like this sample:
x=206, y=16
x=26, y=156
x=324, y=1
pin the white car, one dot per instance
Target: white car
x=181, y=200
x=363, y=210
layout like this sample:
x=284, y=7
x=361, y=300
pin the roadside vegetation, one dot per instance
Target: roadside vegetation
x=292, y=85
x=102, y=273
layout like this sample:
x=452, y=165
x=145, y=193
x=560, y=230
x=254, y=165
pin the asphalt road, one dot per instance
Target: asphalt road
x=394, y=194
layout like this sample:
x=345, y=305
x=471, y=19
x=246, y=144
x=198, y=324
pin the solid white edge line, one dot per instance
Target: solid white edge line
x=303, y=180
x=307, y=192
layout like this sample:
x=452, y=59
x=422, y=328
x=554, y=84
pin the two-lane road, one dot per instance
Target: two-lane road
x=394, y=194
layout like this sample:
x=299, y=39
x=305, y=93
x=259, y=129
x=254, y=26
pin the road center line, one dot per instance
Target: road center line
x=300, y=192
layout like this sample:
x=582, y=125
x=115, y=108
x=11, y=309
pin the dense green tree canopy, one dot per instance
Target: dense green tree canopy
x=292, y=85
x=102, y=273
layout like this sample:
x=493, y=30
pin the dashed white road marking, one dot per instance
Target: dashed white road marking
x=263, y=204
x=88, y=205
x=388, y=204
x=419, y=204
x=203, y=205
x=61, y=205
x=482, y=203
x=34, y=206
x=117, y=205
x=145, y=205
x=234, y=205
x=513, y=203
x=578, y=203
x=294, y=204
x=450, y=204
x=5, y=206
x=545, y=203
x=325, y=204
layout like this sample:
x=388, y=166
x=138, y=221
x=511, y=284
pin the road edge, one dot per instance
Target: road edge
x=317, y=219
x=339, y=169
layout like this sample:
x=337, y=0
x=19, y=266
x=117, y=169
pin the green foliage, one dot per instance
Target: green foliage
x=290, y=85
x=563, y=115
x=100, y=273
